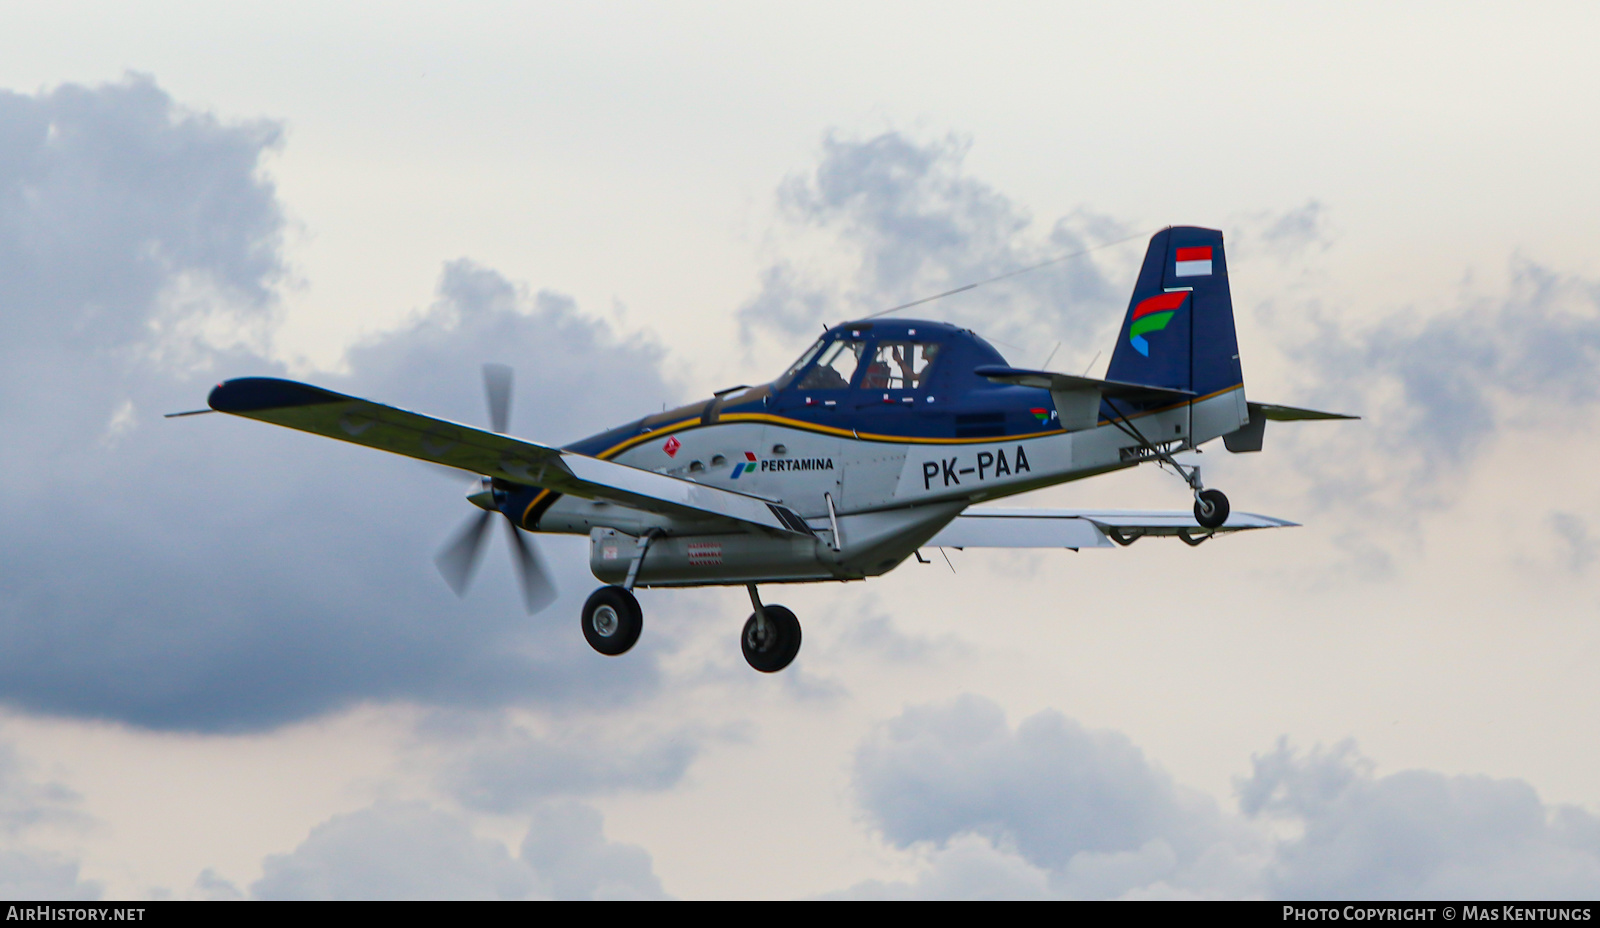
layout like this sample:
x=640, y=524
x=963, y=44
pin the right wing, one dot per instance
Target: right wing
x=347, y=418
x=993, y=527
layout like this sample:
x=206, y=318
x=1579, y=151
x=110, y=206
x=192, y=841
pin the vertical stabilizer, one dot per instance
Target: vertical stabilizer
x=1179, y=332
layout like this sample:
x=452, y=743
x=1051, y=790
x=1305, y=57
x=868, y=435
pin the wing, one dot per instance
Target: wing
x=347, y=418
x=987, y=527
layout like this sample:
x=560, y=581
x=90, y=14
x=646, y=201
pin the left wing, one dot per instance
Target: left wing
x=362, y=422
x=991, y=527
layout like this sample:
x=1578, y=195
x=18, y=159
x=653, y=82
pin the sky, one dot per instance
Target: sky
x=228, y=668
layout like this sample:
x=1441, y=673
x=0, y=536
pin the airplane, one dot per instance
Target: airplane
x=877, y=442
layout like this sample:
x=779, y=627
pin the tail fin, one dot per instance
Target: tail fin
x=1179, y=329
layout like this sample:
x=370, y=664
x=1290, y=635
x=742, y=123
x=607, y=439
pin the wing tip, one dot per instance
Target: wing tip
x=253, y=394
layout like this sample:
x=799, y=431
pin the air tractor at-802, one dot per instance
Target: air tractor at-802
x=878, y=441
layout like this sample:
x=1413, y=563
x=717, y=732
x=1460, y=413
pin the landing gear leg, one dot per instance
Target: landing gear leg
x=612, y=619
x=771, y=636
x=1210, y=506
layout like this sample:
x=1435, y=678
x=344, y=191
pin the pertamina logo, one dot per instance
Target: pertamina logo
x=751, y=462
x=744, y=467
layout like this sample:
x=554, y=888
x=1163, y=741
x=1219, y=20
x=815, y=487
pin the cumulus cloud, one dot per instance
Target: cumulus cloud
x=967, y=867
x=1436, y=389
x=1289, y=235
x=1084, y=806
x=394, y=851
x=1416, y=834
x=25, y=802
x=215, y=574
x=572, y=859
x=411, y=850
x=44, y=876
x=27, y=805
x=114, y=198
x=503, y=767
x=1573, y=530
x=903, y=220
x=1049, y=808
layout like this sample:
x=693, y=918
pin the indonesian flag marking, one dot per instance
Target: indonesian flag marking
x=1194, y=262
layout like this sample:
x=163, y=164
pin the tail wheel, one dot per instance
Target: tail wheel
x=1210, y=508
x=776, y=649
x=612, y=620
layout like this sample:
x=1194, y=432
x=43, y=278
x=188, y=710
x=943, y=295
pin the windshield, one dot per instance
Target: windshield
x=835, y=367
x=797, y=366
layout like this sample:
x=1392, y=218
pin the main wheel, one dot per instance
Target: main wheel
x=612, y=620
x=775, y=650
x=1210, y=508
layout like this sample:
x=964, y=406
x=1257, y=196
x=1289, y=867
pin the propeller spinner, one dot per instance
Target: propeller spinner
x=458, y=559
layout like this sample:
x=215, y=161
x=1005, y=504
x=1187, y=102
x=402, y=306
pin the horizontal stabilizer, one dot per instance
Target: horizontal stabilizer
x=347, y=418
x=1138, y=393
x=1078, y=399
x=1274, y=413
x=1250, y=436
x=991, y=527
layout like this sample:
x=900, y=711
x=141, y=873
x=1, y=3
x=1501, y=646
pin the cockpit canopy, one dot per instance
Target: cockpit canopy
x=893, y=354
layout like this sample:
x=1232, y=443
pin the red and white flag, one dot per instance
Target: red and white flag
x=1194, y=262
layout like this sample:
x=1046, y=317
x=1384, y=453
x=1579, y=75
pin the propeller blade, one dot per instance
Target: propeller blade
x=497, y=386
x=458, y=559
x=537, y=590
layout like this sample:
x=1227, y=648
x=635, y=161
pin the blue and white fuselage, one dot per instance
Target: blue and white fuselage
x=884, y=453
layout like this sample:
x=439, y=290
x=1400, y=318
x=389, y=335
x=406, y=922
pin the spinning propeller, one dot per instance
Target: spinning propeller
x=458, y=559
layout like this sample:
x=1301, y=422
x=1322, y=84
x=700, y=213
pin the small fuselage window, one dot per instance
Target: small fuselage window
x=899, y=366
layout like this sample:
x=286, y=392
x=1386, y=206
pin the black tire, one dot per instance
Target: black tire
x=612, y=620
x=782, y=642
x=1210, y=508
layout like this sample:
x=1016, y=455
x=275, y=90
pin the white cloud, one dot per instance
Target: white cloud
x=1416, y=834
x=33, y=875
x=29, y=806
x=1050, y=804
x=395, y=850
x=503, y=766
x=901, y=220
x=201, y=575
